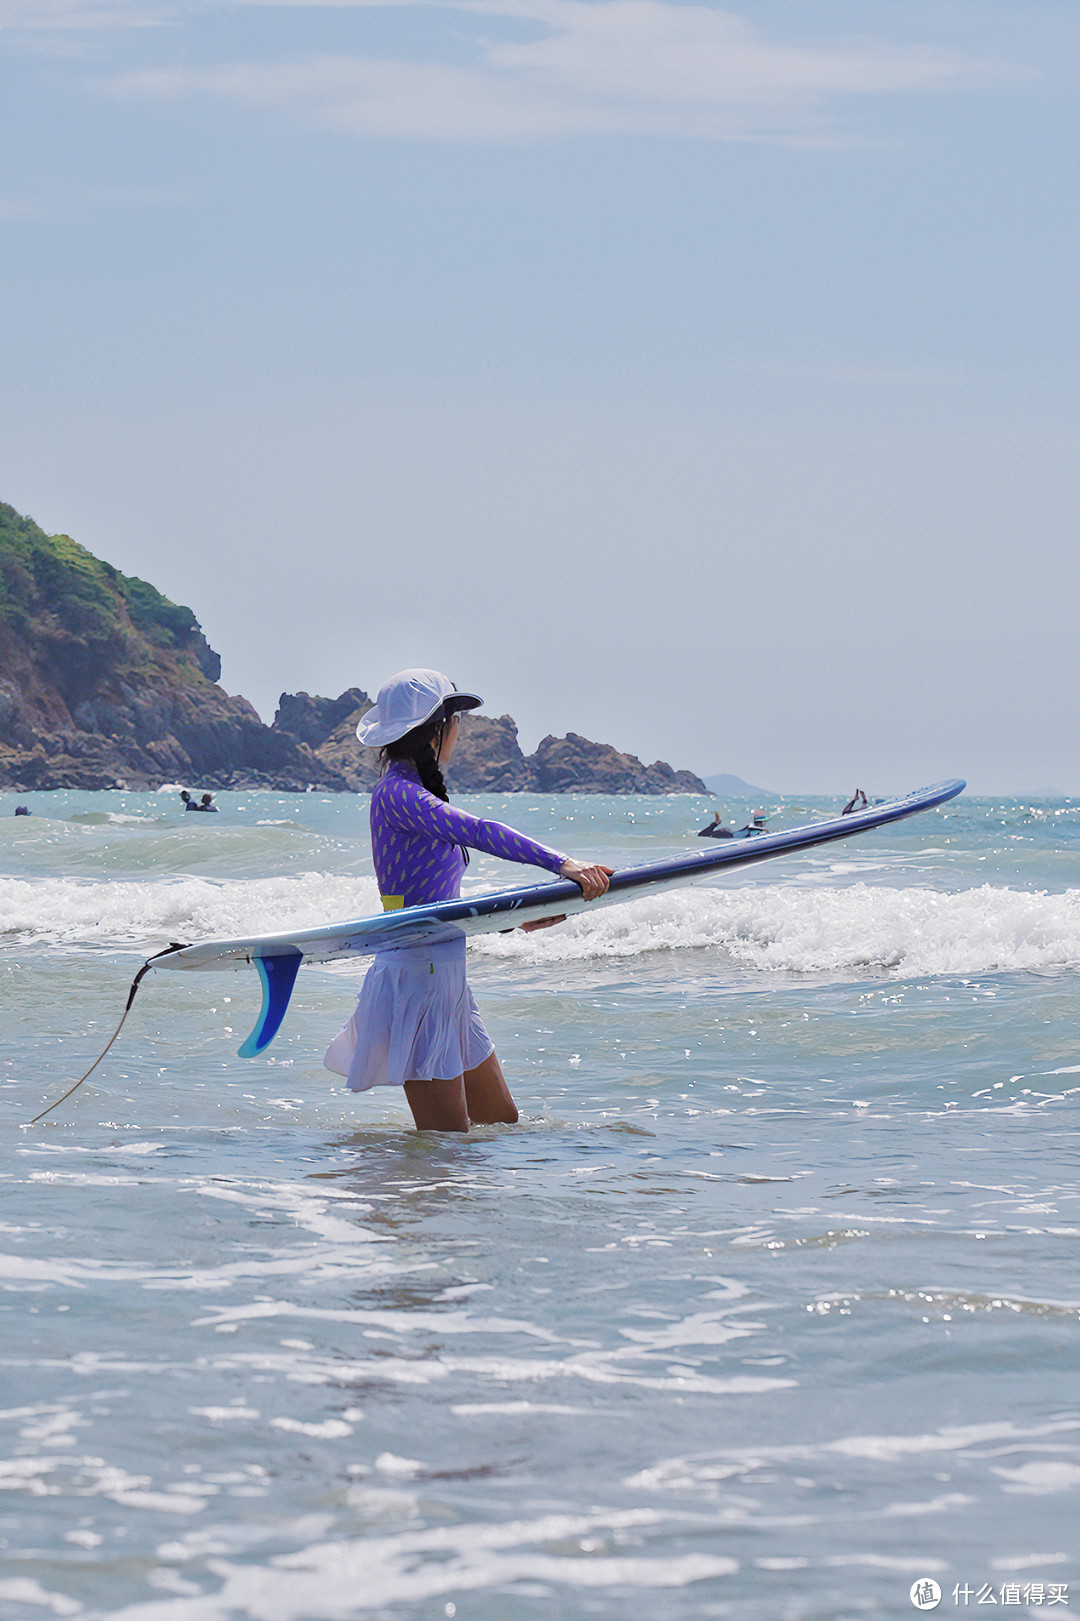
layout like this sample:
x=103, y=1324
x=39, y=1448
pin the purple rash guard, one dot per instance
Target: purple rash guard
x=416, y=841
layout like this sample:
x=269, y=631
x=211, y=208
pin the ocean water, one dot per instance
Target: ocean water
x=766, y=1309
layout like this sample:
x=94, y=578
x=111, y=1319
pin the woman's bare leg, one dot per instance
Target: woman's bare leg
x=438, y=1105
x=480, y=1095
x=488, y=1096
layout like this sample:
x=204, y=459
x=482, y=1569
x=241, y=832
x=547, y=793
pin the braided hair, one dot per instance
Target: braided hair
x=422, y=746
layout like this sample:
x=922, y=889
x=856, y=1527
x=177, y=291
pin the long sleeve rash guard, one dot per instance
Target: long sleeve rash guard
x=416, y=841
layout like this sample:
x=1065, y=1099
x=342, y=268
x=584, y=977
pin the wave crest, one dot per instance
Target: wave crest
x=780, y=928
x=817, y=930
x=63, y=911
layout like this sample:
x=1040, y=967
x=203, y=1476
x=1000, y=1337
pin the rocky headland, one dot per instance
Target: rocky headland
x=488, y=758
x=105, y=683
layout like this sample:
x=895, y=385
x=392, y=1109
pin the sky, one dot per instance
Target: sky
x=697, y=377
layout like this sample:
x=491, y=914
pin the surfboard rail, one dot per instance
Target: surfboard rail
x=278, y=956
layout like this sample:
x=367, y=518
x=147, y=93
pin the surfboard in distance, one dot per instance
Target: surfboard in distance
x=277, y=957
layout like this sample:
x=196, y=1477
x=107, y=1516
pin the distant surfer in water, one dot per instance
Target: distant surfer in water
x=416, y=1024
x=189, y=804
x=715, y=829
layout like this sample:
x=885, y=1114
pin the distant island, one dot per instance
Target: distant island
x=729, y=787
x=105, y=683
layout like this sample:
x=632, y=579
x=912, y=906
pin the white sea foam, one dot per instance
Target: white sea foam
x=817, y=930
x=701, y=1472
x=64, y=911
x=339, y=1579
x=785, y=928
x=116, y=819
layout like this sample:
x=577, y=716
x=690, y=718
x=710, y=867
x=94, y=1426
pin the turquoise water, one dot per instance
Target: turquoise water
x=766, y=1309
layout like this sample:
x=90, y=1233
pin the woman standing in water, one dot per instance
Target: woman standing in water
x=416, y=1024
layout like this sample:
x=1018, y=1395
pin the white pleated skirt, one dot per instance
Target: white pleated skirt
x=415, y=1020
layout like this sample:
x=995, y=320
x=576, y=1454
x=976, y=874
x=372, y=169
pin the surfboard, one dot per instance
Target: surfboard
x=277, y=957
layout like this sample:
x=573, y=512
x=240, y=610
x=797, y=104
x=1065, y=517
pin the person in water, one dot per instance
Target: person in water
x=715, y=829
x=415, y=1024
x=189, y=804
x=22, y=810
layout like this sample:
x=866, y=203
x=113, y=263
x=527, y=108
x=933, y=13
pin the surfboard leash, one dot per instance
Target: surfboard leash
x=136, y=982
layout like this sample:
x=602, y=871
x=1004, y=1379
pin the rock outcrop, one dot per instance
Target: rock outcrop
x=357, y=766
x=328, y=727
x=488, y=757
x=105, y=683
x=312, y=720
x=572, y=764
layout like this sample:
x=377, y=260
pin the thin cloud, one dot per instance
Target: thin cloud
x=366, y=96
x=91, y=199
x=78, y=16
x=613, y=67
x=648, y=50
x=322, y=5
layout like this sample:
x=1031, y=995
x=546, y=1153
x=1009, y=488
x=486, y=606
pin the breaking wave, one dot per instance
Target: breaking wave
x=817, y=930
x=65, y=912
x=783, y=928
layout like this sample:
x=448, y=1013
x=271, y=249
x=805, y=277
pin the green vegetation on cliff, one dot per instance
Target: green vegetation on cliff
x=81, y=611
x=105, y=682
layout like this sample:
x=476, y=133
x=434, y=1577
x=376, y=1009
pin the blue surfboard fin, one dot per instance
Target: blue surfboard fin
x=278, y=975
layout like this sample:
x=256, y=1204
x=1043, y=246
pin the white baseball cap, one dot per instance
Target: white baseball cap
x=409, y=699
